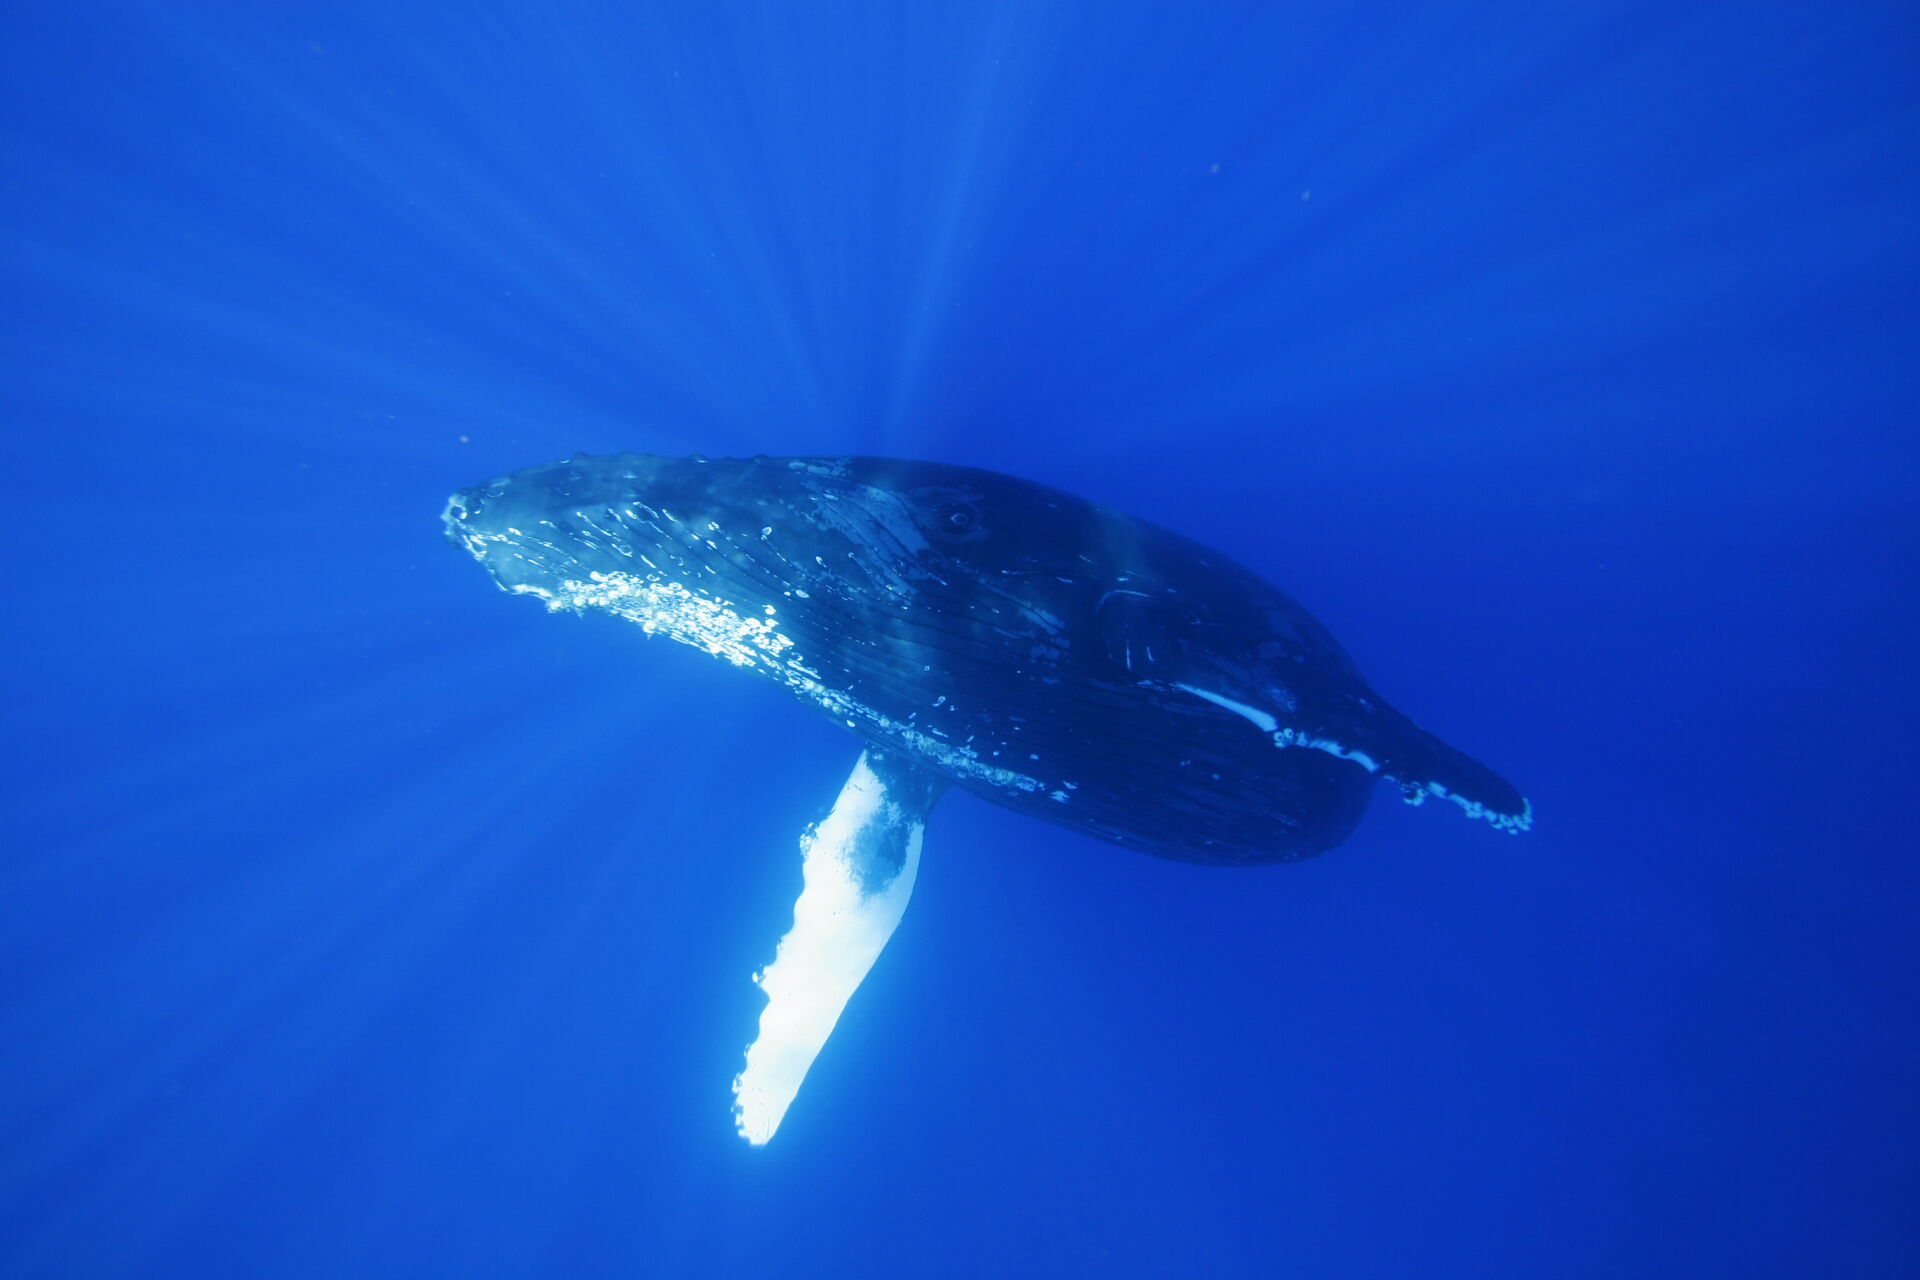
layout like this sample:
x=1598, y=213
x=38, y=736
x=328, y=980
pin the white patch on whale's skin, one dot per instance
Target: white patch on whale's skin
x=1301, y=738
x=839, y=930
x=663, y=606
x=832, y=468
x=670, y=608
x=1412, y=792
x=881, y=521
x=1261, y=718
x=1511, y=823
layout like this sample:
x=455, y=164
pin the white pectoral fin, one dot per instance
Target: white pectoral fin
x=858, y=867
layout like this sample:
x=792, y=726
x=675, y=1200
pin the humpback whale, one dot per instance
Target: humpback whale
x=975, y=630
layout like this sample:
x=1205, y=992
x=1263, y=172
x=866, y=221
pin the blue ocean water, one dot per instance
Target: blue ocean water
x=358, y=920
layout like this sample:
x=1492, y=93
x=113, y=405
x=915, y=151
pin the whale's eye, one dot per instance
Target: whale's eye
x=958, y=517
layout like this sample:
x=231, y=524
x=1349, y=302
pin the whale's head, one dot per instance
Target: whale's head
x=848, y=534
x=923, y=605
x=543, y=528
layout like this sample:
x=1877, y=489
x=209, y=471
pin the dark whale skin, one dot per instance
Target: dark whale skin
x=1047, y=653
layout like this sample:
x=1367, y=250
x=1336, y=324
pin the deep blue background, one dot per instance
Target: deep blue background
x=357, y=920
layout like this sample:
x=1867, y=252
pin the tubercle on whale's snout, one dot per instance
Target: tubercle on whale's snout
x=467, y=506
x=452, y=516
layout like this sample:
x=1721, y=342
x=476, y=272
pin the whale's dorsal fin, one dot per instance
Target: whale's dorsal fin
x=857, y=871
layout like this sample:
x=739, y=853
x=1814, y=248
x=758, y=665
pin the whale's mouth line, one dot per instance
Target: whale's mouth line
x=669, y=607
x=706, y=619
